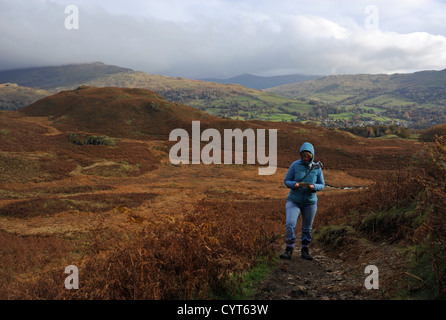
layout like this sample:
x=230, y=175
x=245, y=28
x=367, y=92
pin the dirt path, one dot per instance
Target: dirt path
x=320, y=279
x=333, y=274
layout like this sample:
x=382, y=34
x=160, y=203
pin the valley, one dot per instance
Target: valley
x=414, y=101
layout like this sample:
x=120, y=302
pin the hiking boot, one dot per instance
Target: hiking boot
x=305, y=254
x=287, y=254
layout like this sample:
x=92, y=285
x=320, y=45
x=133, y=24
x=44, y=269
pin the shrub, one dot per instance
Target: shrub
x=197, y=255
x=430, y=134
x=83, y=139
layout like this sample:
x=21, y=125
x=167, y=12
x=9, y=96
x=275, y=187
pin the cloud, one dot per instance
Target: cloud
x=196, y=38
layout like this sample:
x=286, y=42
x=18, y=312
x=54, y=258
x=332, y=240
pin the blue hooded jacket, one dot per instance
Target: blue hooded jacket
x=296, y=172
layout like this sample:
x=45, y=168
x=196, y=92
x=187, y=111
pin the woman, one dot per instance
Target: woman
x=304, y=178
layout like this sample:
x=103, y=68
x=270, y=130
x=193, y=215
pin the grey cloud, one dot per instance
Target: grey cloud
x=259, y=38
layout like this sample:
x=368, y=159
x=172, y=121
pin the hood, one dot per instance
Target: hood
x=307, y=147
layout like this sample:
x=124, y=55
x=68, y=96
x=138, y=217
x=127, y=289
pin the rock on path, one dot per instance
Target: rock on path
x=323, y=278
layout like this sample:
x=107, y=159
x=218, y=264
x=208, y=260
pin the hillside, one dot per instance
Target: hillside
x=119, y=112
x=56, y=78
x=260, y=83
x=424, y=88
x=144, y=114
x=415, y=100
x=225, y=100
x=13, y=96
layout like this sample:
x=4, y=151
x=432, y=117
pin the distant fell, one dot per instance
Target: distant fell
x=424, y=88
x=56, y=78
x=261, y=82
x=224, y=100
x=14, y=97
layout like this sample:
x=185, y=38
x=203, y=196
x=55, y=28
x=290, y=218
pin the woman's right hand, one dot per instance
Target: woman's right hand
x=297, y=186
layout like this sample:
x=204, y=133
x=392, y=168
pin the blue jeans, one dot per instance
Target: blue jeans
x=292, y=214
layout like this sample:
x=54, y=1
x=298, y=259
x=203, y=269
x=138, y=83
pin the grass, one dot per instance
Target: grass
x=389, y=136
x=280, y=117
x=422, y=280
x=389, y=100
x=274, y=117
x=334, y=236
x=21, y=170
x=243, y=286
x=393, y=224
x=342, y=116
x=413, y=137
x=375, y=109
x=254, y=104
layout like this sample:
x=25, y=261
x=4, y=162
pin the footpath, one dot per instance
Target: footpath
x=333, y=275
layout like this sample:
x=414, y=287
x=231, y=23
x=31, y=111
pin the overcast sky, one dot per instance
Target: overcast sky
x=224, y=38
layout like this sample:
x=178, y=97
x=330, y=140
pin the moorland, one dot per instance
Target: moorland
x=85, y=180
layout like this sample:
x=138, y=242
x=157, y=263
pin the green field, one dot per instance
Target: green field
x=389, y=100
x=256, y=105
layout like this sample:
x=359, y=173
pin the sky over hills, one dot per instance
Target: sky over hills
x=224, y=38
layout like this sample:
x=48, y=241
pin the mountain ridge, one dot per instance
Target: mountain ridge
x=417, y=99
x=263, y=82
x=422, y=87
x=224, y=100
